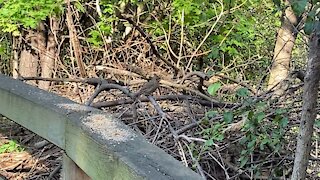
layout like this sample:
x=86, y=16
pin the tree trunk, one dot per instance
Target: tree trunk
x=41, y=38
x=15, y=57
x=282, y=51
x=309, y=112
x=48, y=55
x=28, y=65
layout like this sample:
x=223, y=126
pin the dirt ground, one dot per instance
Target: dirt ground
x=26, y=155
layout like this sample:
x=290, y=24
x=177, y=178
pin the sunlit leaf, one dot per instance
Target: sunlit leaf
x=209, y=142
x=213, y=88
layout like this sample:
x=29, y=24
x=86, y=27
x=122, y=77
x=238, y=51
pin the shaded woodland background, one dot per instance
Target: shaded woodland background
x=231, y=72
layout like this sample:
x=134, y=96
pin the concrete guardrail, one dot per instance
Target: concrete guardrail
x=101, y=146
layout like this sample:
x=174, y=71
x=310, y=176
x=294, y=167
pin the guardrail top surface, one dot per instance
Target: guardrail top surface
x=99, y=144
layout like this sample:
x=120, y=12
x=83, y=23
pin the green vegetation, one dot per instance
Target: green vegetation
x=10, y=146
x=19, y=14
x=230, y=43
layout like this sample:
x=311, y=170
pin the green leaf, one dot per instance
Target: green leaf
x=277, y=2
x=214, y=53
x=250, y=115
x=80, y=7
x=251, y=144
x=317, y=123
x=220, y=137
x=260, y=116
x=261, y=106
x=243, y=161
x=299, y=6
x=11, y=146
x=15, y=14
x=209, y=142
x=280, y=111
x=244, y=152
x=284, y=122
x=228, y=117
x=243, y=92
x=213, y=88
x=211, y=114
x=264, y=141
x=16, y=33
x=309, y=25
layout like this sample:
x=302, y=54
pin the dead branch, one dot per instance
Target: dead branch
x=149, y=87
x=186, y=88
x=163, y=98
x=163, y=115
x=75, y=43
x=197, y=73
x=106, y=87
x=107, y=84
x=146, y=36
x=55, y=171
x=252, y=90
x=194, y=124
x=117, y=71
x=91, y=81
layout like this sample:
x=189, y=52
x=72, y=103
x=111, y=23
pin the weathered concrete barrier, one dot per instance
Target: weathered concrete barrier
x=103, y=147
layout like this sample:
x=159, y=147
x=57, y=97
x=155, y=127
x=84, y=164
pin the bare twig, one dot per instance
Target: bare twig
x=199, y=168
x=194, y=124
x=163, y=115
x=195, y=92
x=197, y=73
x=55, y=171
x=117, y=71
x=162, y=98
x=221, y=164
x=146, y=36
x=207, y=35
x=91, y=81
x=75, y=40
x=106, y=87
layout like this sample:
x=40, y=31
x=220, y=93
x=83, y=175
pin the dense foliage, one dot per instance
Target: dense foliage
x=18, y=14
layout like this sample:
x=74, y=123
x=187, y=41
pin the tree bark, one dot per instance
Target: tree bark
x=309, y=112
x=282, y=51
x=48, y=56
x=28, y=65
x=42, y=43
x=15, y=57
